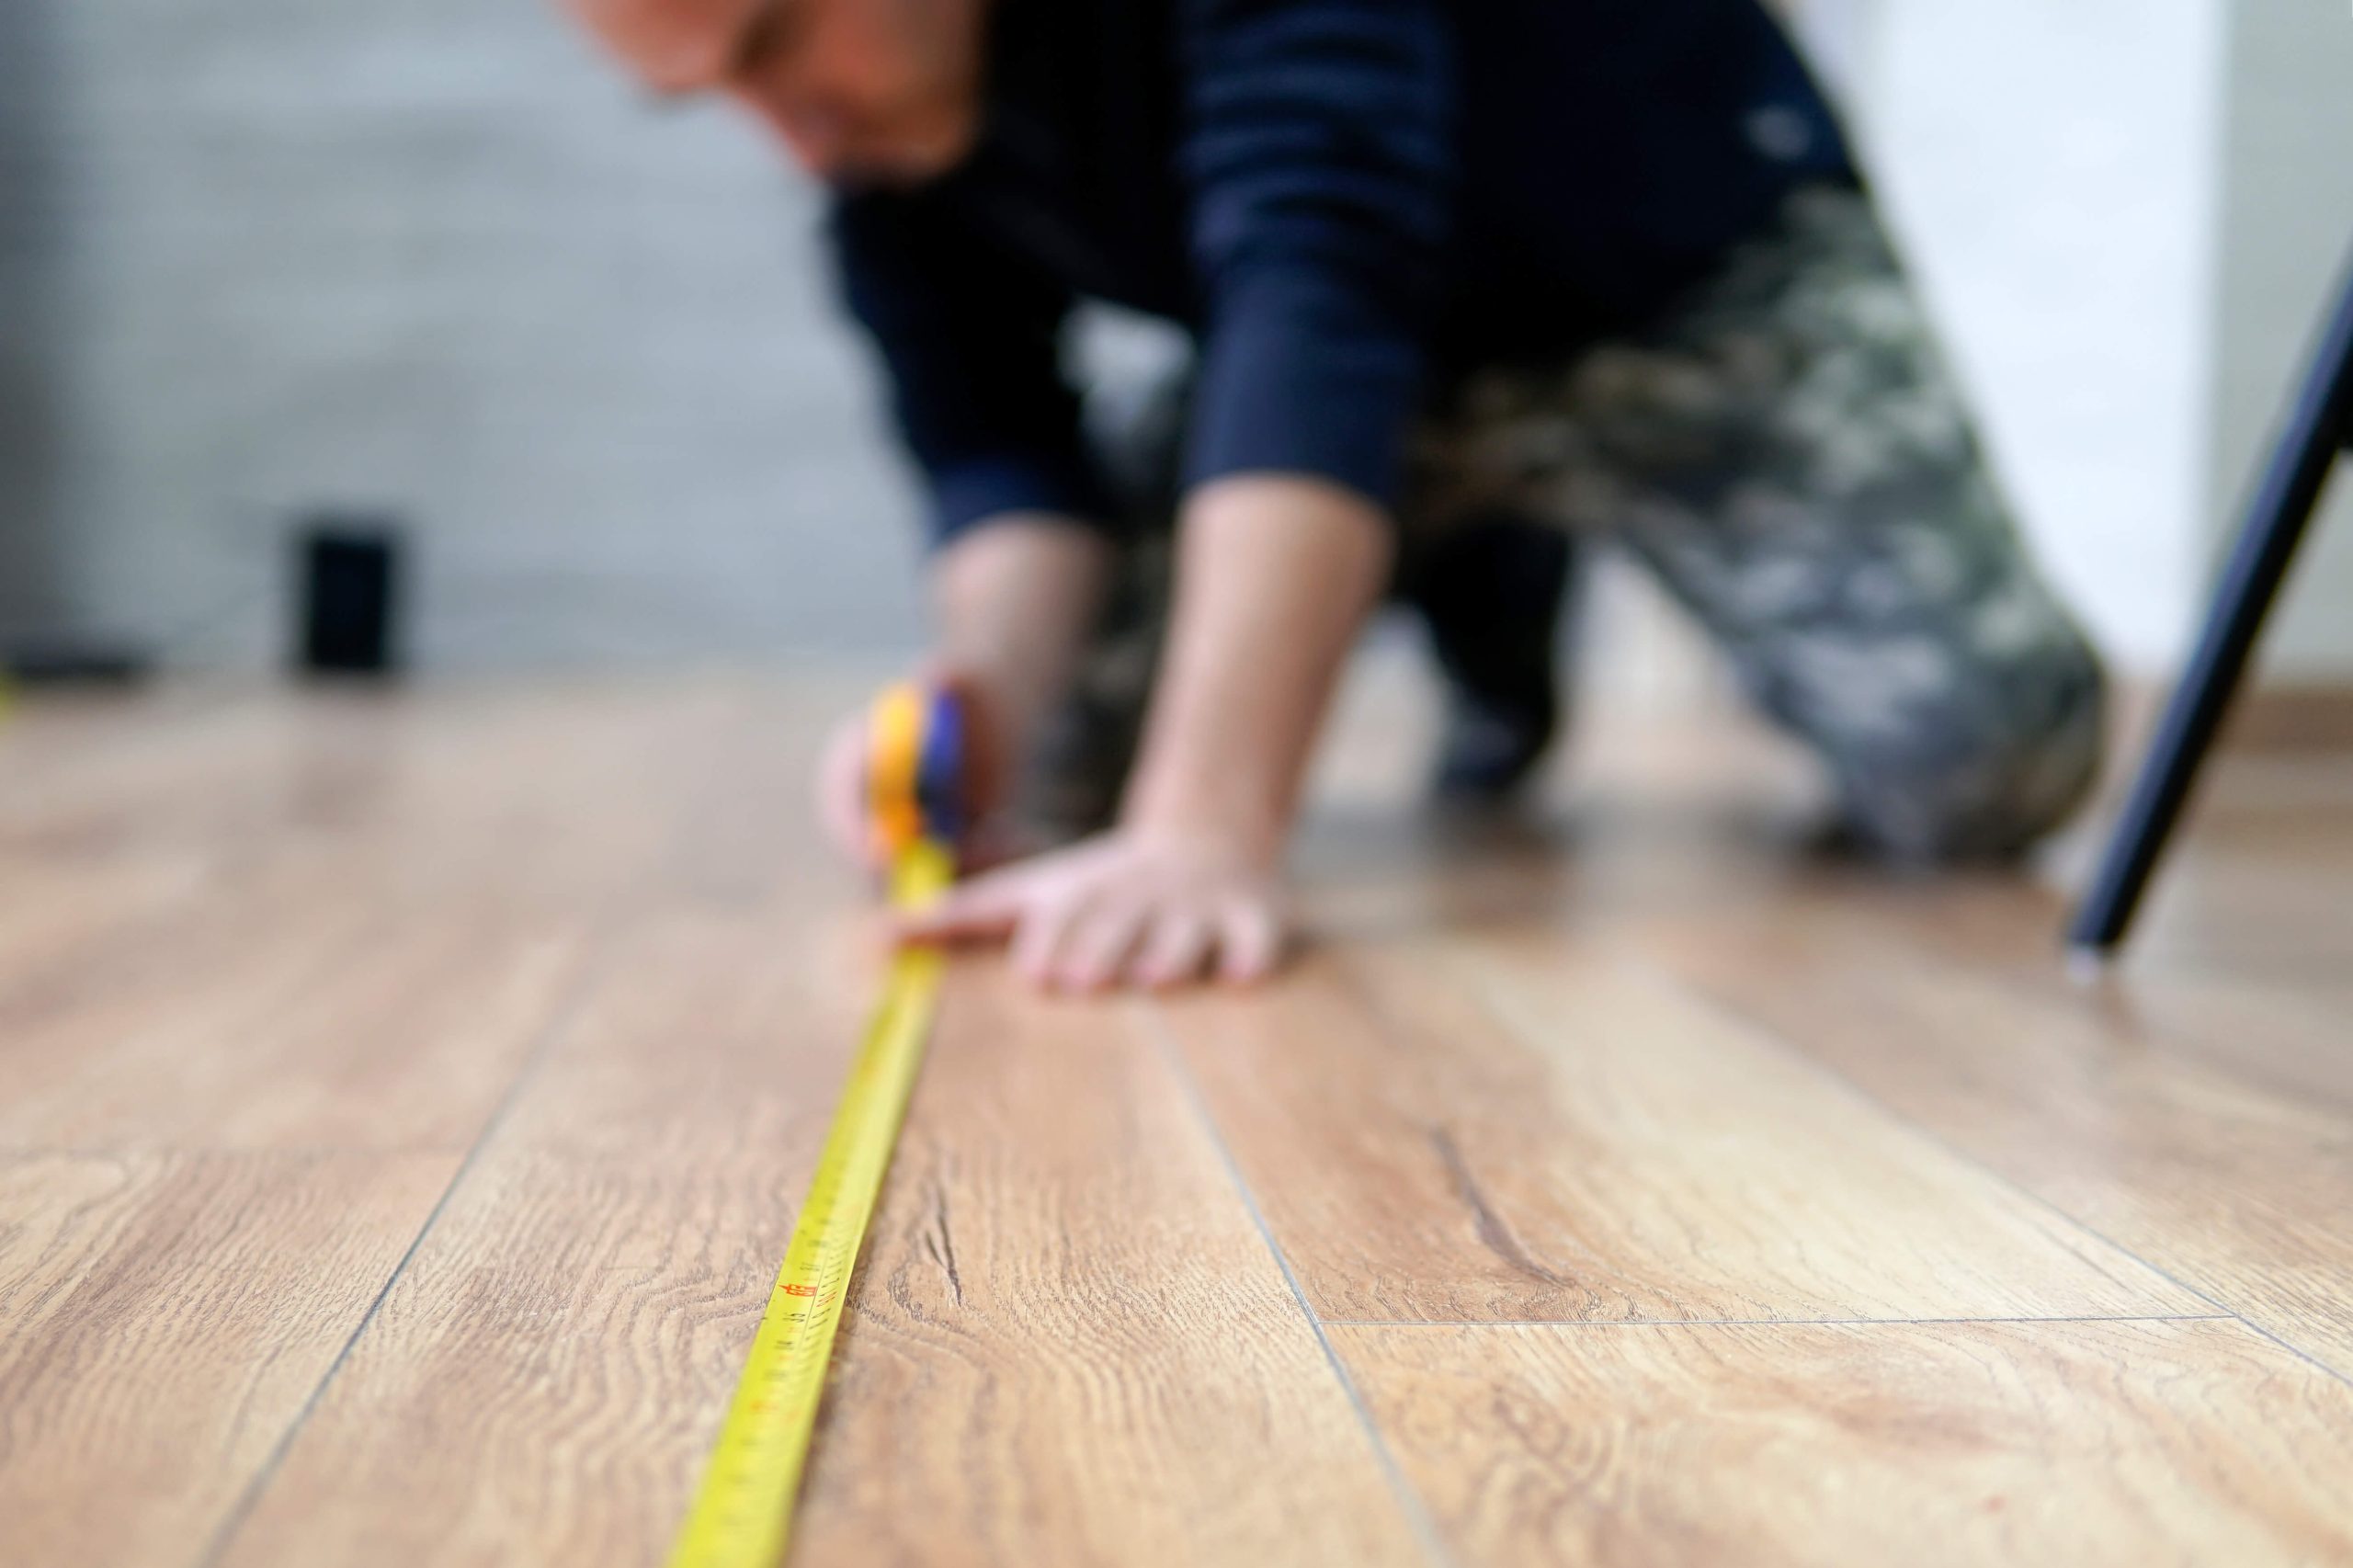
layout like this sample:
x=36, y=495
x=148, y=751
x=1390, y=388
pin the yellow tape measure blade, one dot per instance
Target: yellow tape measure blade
x=741, y=1515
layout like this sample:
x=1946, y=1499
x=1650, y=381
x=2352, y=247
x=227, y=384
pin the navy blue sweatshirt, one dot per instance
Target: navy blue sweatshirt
x=1348, y=202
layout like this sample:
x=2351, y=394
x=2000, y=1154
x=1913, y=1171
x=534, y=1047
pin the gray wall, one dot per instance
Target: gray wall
x=31, y=155
x=2053, y=168
x=2286, y=238
x=272, y=253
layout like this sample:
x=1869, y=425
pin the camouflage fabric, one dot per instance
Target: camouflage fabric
x=1789, y=453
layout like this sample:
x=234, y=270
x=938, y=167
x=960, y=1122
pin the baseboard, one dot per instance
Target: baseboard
x=2294, y=716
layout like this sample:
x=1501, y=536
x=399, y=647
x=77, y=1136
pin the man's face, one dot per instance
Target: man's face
x=882, y=91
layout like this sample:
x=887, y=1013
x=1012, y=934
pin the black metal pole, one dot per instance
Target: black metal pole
x=2319, y=423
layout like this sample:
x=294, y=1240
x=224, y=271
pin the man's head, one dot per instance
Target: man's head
x=860, y=90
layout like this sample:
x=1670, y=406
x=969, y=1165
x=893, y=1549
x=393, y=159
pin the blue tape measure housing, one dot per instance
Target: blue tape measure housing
x=939, y=775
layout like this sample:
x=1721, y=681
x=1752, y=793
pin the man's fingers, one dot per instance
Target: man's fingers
x=841, y=788
x=1249, y=944
x=982, y=910
x=1072, y=925
x=1100, y=943
x=1042, y=936
x=1175, y=951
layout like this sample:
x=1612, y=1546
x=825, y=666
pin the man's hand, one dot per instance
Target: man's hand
x=1274, y=577
x=1135, y=907
x=1014, y=598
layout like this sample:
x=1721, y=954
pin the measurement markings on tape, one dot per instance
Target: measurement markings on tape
x=741, y=1515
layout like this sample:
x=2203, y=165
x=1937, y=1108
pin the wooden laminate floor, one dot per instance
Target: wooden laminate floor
x=403, y=1102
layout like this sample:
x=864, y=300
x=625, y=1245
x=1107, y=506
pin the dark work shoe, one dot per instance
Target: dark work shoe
x=1487, y=753
x=1490, y=596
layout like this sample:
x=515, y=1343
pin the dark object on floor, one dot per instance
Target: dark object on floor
x=1490, y=596
x=1487, y=751
x=2319, y=429
x=64, y=659
x=349, y=572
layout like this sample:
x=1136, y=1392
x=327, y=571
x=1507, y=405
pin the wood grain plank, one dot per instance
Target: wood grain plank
x=1077, y=1349
x=409, y=902
x=2295, y=1042
x=2280, y=1031
x=2185, y=1157
x=281, y=925
x=1069, y=1343
x=162, y=1318
x=48, y=739
x=137, y=1019
x=2071, y=1445
x=56, y=913
x=546, y=796
x=1514, y=1129
x=2276, y=1028
x=528, y=1391
x=303, y=1021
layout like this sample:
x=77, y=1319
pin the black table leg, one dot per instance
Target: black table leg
x=2319, y=423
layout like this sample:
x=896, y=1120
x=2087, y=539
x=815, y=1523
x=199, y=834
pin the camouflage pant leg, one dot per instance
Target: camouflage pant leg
x=1789, y=455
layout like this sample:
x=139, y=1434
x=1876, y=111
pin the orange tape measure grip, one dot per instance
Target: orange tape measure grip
x=742, y=1515
x=893, y=753
x=917, y=783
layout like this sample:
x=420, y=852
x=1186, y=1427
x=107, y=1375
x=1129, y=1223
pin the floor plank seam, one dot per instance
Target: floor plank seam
x=584, y=987
x=1418, y=1512
x=1772, y=1036
x=1772, y=1323
x=228, y=1151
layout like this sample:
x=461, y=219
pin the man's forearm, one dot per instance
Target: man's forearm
x=1275, y=576
x=1014, y=601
